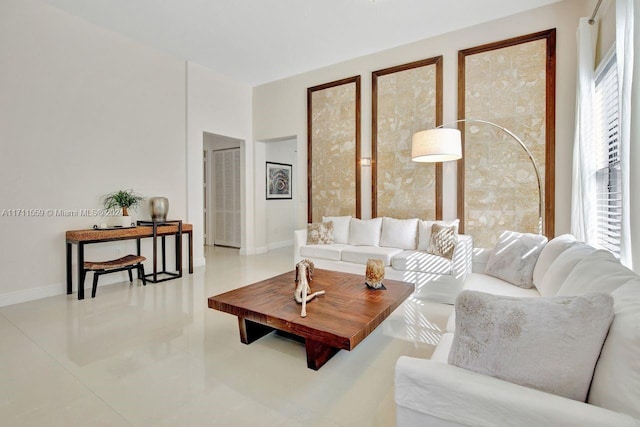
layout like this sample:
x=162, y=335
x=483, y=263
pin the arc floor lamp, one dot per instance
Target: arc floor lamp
x=442, y=144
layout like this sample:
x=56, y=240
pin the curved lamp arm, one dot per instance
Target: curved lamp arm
x=524, y=147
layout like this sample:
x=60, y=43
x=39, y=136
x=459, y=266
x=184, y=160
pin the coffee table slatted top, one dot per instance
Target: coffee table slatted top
x=342, y=318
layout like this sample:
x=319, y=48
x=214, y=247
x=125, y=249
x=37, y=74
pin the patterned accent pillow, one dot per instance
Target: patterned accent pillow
x=443, y=240
x=320, y=233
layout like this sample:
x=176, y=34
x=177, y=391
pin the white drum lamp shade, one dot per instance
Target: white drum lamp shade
x=436, y=145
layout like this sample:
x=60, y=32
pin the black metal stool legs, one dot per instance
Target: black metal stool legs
x=96, y=274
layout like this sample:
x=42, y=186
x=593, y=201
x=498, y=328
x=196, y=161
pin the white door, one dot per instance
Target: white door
x=226, y=197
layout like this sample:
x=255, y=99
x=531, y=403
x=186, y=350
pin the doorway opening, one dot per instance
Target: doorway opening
x=222, y=190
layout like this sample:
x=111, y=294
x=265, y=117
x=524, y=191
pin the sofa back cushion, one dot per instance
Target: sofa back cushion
x=399, y=233
x=599, y=271
x=616, y=380
x=340, y=227
x=514, y=257
x=424, y=231
x=549, y=253
x=560, y=268
x=550, y=344
x=365, y=232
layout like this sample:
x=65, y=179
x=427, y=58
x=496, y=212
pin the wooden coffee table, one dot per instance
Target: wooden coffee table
x=340, y=319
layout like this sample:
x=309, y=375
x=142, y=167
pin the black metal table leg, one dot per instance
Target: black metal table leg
x=155, y=252
x=164, y=254
x=138, y=253
x=80, y=270
x=69, y=270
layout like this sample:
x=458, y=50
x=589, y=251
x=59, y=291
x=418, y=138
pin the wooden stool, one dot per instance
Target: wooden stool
x=128, y=262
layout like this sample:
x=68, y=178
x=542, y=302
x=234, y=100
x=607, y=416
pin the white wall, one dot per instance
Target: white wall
x=218, y=105
x=279, y=215
x=285, y=100
x=83, y=112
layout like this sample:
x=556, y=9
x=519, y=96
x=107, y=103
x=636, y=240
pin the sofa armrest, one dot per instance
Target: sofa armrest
x=299, y=239
x=462, y=260
x=467, y=398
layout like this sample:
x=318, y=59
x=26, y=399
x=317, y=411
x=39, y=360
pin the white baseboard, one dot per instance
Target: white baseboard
x=278, y=245
x=56, y=289
x=17, y=297
x=264, y=249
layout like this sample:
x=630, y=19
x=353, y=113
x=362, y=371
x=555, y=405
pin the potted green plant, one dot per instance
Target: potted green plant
x=125, y=199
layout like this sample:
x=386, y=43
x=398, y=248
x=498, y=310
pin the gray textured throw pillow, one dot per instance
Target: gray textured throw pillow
x=550, y=344
x=514, y=257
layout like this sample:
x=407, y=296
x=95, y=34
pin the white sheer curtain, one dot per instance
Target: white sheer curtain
x=624, y=58
x=583, y=198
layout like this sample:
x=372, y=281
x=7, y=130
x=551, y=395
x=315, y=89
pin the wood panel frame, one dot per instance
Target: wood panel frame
x=437, y=61
x=550, y=123
x=349, y=80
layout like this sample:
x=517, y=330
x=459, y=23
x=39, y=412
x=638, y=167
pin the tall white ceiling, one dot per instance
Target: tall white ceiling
x=258, y=41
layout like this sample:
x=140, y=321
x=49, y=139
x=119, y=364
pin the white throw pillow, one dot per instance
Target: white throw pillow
x=340, y=227
x=600, y=271
x=550, y=344
x=399, y=233
x=514, y=257
x=424, y=231
x=365, y=232
x=560, y=269
x=549, y=253
x=616, y=380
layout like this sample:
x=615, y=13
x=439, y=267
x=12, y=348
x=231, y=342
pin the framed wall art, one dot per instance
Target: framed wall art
x=278, y=182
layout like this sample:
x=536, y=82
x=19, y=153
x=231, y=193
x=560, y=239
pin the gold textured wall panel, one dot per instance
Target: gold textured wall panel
x=333, y=152
x=506, y=86
x=406, y=103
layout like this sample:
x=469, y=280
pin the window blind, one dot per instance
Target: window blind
x=608, y=168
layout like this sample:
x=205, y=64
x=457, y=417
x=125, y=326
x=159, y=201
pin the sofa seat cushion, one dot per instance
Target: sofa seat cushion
x=421, y=261
x=360, y=254
x=332, y=251
x=493, y=285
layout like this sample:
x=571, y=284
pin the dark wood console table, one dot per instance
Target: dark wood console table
x=84, y=237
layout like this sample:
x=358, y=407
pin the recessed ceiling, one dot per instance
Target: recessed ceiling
x=258, y=41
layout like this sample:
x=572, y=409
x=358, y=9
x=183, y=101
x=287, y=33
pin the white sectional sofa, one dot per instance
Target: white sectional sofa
x=436, y=393
x=402, y=246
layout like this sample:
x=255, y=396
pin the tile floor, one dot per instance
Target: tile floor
x=157, y=356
